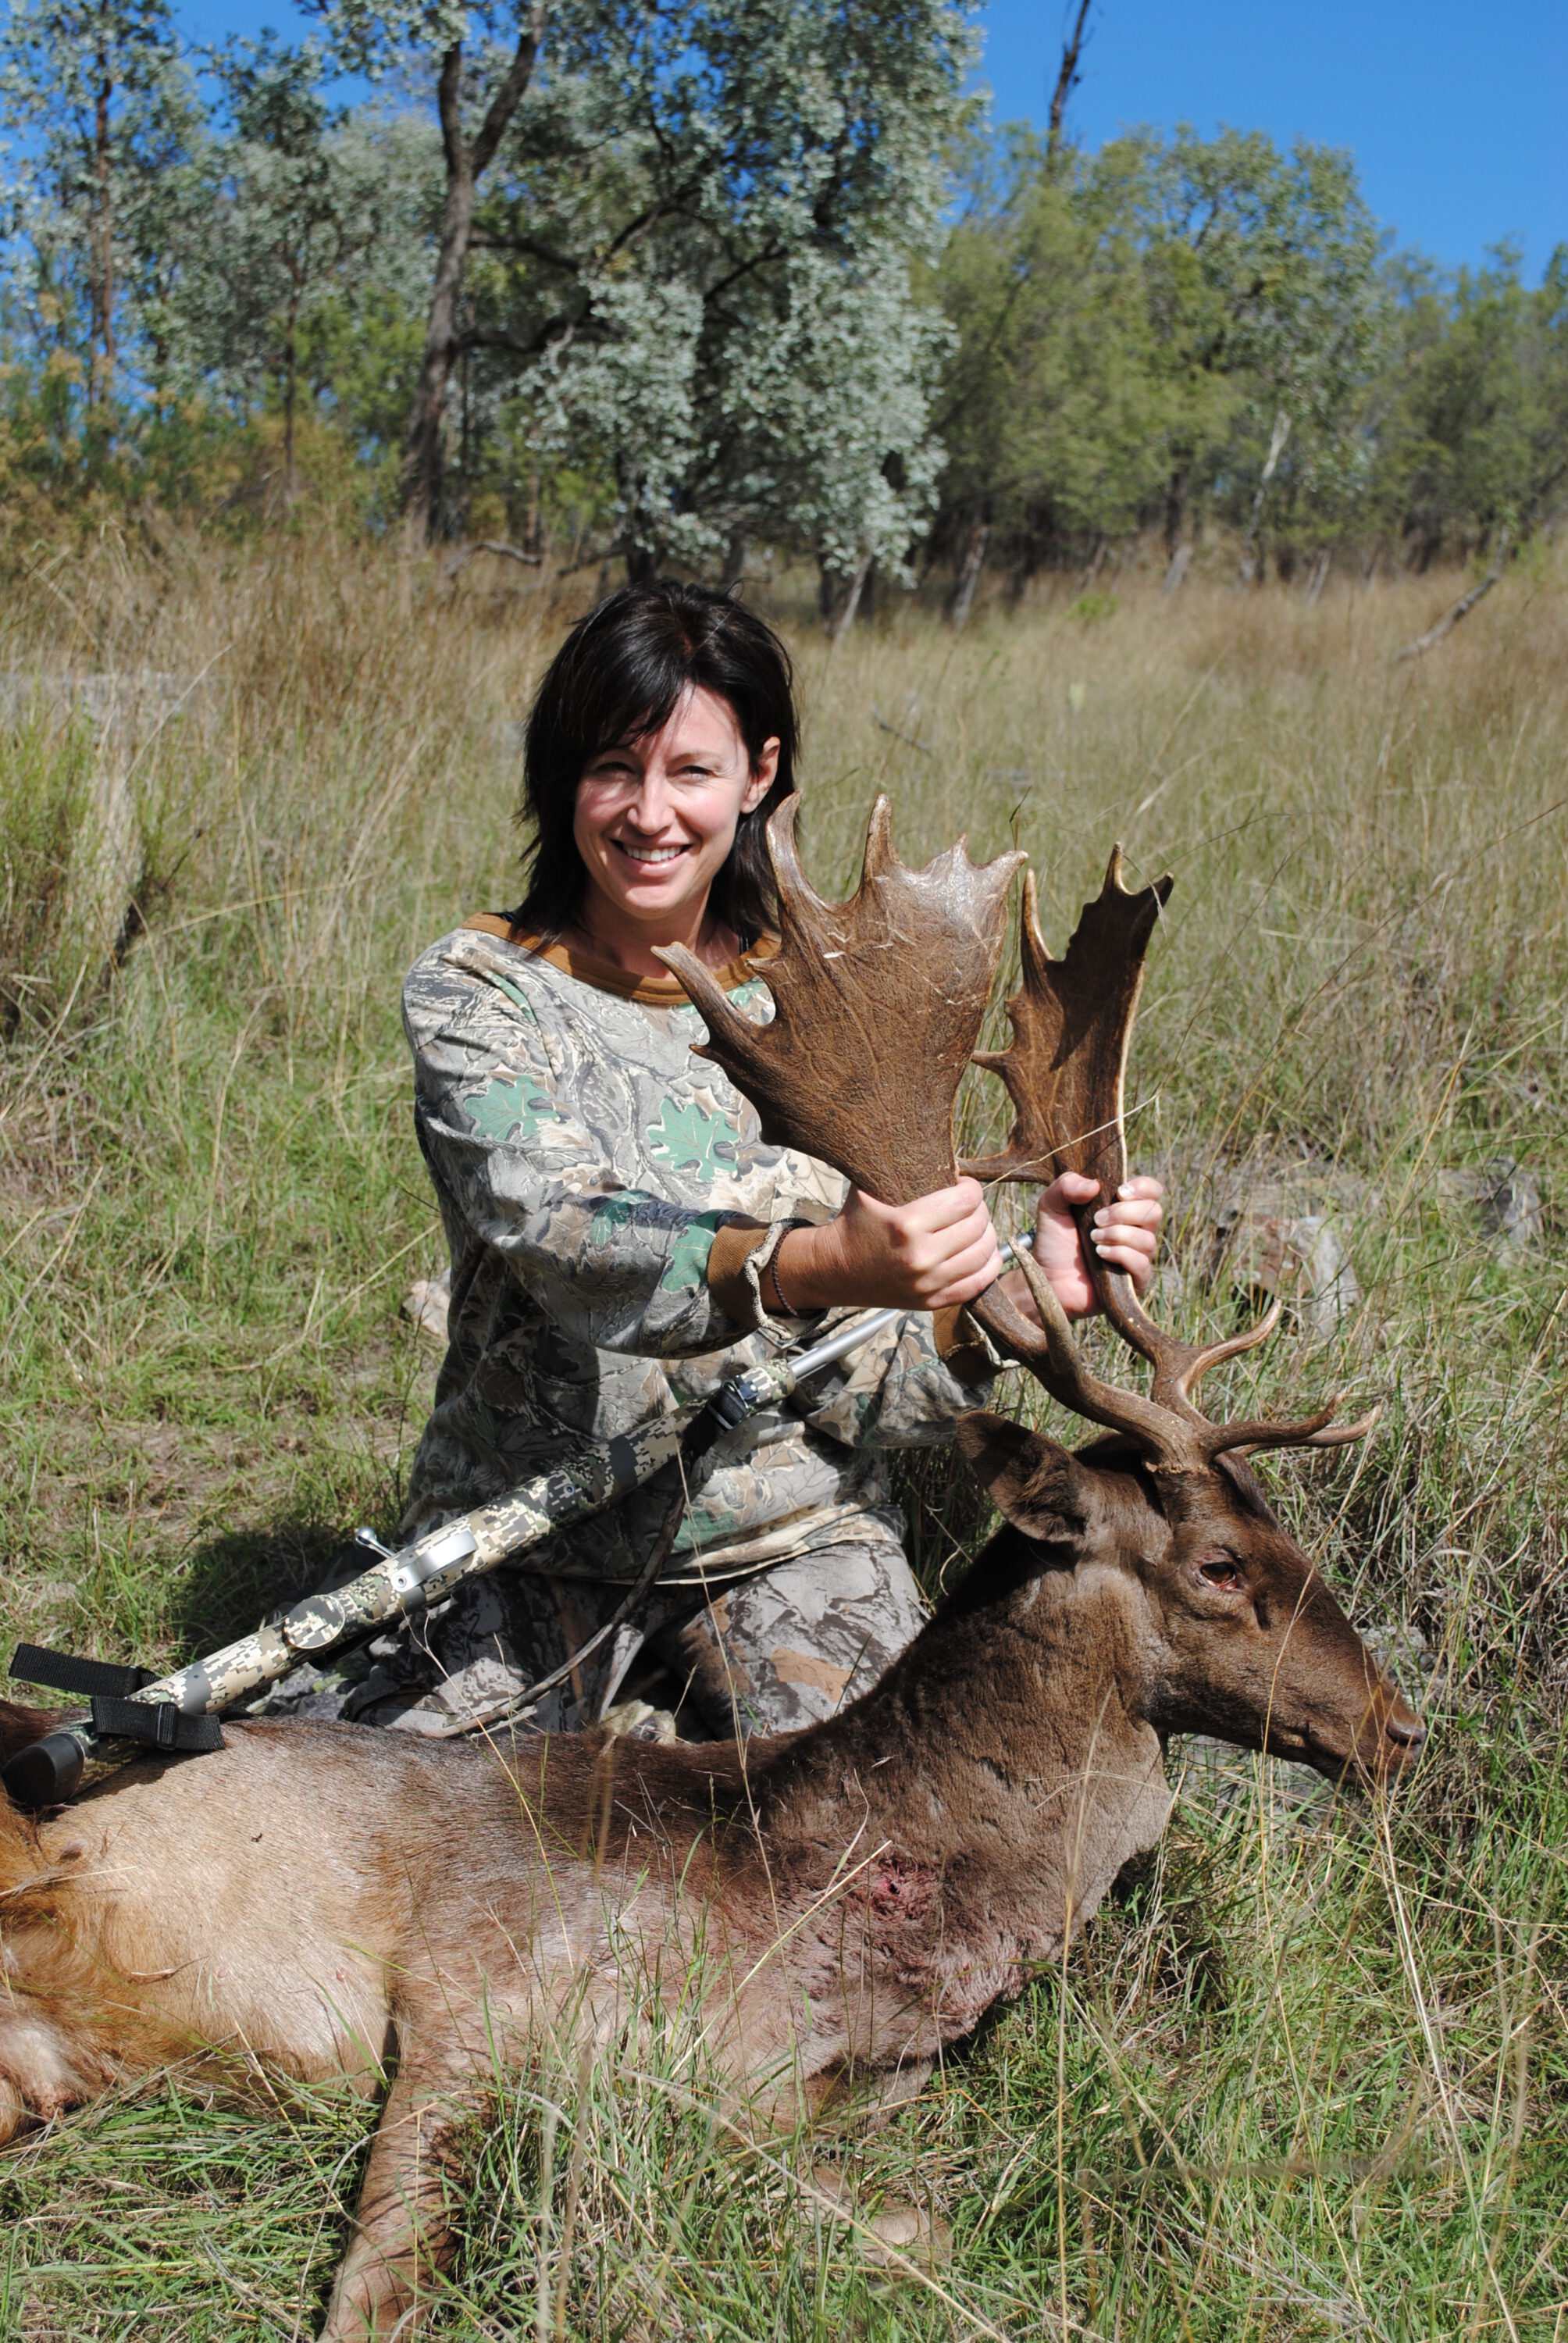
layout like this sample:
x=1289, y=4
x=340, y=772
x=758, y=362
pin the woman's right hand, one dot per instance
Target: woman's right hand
x=932, y=1255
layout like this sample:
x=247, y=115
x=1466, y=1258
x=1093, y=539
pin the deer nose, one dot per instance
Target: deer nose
x=1403, y=1726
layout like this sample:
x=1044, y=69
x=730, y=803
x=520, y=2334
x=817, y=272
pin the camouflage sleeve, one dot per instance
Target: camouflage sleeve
x=899, y=1392
x=532, y=1171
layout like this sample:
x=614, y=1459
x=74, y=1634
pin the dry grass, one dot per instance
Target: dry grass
x=1311, y=2076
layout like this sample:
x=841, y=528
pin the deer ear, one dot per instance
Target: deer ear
x=1032, y=1481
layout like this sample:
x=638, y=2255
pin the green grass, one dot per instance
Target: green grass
x=1308, y=2077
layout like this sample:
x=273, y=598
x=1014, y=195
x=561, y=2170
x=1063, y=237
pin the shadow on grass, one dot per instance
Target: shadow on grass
x=233, y=1582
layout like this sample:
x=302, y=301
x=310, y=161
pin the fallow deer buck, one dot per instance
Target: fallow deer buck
x=332, y=1900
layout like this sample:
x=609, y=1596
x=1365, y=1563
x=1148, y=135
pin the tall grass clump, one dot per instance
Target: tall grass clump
x=1308, y=2073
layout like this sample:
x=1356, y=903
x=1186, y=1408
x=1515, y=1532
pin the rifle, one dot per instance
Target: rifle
x=131, y=1712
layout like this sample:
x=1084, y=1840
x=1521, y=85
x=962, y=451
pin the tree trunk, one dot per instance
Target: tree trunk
x=1250, y=567
x=1176, y=506
x=840, y=598
x=969, y=578
x=422, y=444
x=1066, y=83
x=466, y=165
x=100, y=378
x=290, y=388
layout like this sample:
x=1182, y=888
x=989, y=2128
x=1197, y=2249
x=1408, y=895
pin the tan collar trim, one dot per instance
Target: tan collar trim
x=652, y=992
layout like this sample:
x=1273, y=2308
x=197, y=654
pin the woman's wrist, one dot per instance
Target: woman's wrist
x=795, y=1275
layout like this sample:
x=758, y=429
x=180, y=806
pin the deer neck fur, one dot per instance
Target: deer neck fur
x=993, y=1783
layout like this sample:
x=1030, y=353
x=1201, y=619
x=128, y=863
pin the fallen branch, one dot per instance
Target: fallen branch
x=491, y=544
x=1461, y=609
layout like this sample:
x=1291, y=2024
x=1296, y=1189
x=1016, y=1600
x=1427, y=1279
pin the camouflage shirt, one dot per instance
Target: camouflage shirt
x=611, y=1210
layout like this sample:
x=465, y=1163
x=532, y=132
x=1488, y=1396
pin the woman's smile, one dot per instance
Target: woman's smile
x=648, y=853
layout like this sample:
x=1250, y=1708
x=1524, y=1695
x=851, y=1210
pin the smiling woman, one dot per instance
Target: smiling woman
x=622, y=1240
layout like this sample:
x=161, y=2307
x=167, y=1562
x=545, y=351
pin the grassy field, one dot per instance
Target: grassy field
x=1309, y=2076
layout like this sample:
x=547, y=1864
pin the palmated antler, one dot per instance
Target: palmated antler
x=1073, y=1023
x=877, y=1003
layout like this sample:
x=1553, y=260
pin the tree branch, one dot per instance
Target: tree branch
x=507, y=98
x=449, y=106
x=1067, y=81
x=1461, y=609
x=490, y=545
x=528, y=247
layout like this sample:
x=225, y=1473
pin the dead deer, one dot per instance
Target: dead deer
x=329, y=1900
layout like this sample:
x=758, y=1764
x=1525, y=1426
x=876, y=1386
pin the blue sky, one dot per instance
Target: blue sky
x=1457, y=115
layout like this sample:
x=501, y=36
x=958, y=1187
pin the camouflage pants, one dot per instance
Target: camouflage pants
x=783, y=1648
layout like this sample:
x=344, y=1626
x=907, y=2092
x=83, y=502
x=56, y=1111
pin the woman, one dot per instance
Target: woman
x=621, y=1240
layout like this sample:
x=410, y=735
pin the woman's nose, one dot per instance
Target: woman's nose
x=649, y=808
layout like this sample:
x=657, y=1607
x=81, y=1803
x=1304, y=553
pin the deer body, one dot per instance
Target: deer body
x=322, y=1899
x=837, y=1903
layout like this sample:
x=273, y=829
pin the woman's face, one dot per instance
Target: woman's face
x=656, y=819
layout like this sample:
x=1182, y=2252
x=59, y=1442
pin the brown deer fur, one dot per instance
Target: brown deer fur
x=324, y=1899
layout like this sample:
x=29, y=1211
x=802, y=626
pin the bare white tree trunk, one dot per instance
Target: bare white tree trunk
x=843, y=617
x=968, y=577
x=1249, y=568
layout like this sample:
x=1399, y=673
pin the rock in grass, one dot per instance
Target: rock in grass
x=426, y=1302
x=1506, y=1200
x=912, y=2233
x=1263, y=1251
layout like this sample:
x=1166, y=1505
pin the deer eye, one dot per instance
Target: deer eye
x=1223, y=1574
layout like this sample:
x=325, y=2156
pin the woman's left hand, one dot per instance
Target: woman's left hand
x=1125, y=1233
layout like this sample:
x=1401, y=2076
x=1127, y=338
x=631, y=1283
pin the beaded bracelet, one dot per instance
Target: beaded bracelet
x=784, y=1309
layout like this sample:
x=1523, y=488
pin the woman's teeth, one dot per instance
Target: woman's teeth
x=649, y=853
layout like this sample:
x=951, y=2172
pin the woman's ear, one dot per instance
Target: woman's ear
x=764, y=773
x=1032, y=1483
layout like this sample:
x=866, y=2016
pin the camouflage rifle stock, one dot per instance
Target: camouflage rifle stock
x=401, y=1583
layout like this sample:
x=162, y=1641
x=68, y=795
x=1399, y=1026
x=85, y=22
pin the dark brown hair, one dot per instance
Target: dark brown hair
x=620, y=676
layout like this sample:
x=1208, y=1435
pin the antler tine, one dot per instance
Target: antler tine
x=1052, y=1357
x=1178, y=1366
x=877, y=1003
x=1301, y=1436
x=1073, y=1023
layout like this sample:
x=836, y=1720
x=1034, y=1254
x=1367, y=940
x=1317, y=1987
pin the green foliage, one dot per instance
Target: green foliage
x=1475, y=434
x=1136, y=329
x=716, y=296
x=690, y=275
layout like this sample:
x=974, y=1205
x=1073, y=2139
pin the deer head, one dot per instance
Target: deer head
x=1224, y=1625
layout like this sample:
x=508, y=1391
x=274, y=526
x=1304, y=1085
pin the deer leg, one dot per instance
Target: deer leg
x=42, y=2070
x=402, y=2232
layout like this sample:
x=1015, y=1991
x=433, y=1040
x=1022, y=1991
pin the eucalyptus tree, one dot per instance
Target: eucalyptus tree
x=1473, y=444
x=693, y=270
x=1051, y=411
x=306, y=205
x=1164, y=320
x=86, y=87
x=1261, y=285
